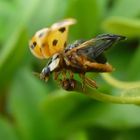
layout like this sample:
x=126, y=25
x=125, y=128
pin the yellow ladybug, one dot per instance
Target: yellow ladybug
x=48, y=41
x=80, y=57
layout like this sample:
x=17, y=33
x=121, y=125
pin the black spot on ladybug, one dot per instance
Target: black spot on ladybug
x=62, y=29
x=54, y=43
x=43, y=45
x=33, y=45
x=40, y=50
x=40, y=35
x=65, y=44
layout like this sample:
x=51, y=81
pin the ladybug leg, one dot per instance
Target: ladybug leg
x=90, y=82
x=82, y=76
x=36, y=74
x=87, y=81
x=71, y=74
x=64, y=76
x=56, y=74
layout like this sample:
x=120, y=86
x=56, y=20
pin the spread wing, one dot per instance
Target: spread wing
x=48, y=41
x=57, y=36
x=93, y=49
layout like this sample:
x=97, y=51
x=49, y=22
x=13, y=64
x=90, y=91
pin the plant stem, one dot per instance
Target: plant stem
x=96, y=94
x=120, y=84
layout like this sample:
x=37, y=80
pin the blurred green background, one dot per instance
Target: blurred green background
x=33, y=110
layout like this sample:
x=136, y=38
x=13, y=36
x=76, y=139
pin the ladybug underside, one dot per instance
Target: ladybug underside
x=81, y=57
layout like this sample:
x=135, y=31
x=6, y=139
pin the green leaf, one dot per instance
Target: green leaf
x=80, y=135
x=106, y=115
x=87, y=14
x=120, y=116
x=25, y=96
x=7, y=13
x=134, y=66
x=78, y=112
x=7, y=132
x=13, y=51
x=12, y=55
x=58, y=107
x=125, y=8
x=48, y=13
x=123, y=26
x=65, y=102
